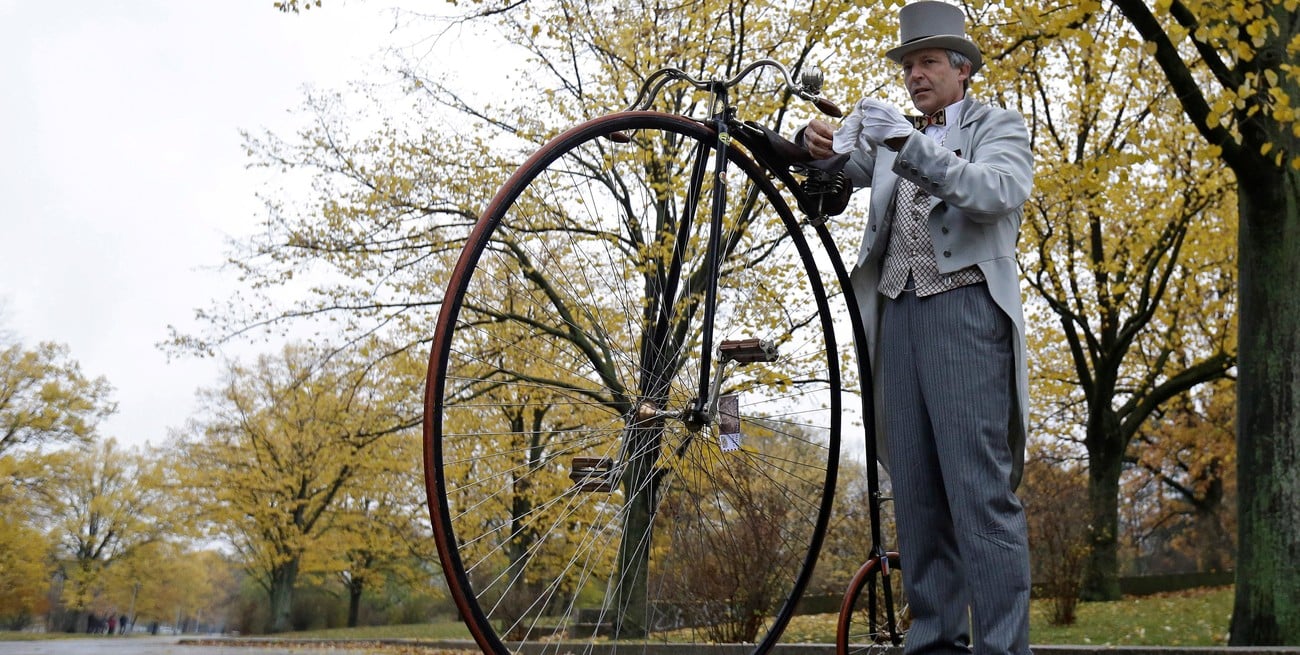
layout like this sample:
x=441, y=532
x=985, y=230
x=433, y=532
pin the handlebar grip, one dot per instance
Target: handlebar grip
x=829, y=108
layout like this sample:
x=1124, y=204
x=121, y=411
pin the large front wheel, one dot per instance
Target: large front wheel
x=577, y=493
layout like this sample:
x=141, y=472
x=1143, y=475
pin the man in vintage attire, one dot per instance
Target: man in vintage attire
x=937, y=280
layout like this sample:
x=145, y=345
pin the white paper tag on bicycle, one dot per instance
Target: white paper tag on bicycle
x=729, y=422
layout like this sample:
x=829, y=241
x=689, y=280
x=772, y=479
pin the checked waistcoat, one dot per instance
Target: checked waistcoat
x=910, y=252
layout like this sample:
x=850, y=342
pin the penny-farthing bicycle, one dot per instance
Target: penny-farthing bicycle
x=633, y=410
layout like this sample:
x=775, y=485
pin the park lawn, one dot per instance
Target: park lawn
x=23, y=635
x=1197, y=617
x=438, y=629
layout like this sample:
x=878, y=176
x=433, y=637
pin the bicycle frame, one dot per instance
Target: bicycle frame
x=723, y=120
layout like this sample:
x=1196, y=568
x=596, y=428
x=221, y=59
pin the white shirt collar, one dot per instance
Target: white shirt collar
x=951, y=115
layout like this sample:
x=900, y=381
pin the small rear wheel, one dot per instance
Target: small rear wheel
x=575, y=495
x=874, y=615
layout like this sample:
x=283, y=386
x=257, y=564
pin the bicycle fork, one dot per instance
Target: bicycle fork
x=704, y=408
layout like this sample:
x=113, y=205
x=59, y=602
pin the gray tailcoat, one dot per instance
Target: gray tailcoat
x=978, y=180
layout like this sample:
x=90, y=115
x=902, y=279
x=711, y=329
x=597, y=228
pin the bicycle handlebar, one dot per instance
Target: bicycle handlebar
x=809, y=87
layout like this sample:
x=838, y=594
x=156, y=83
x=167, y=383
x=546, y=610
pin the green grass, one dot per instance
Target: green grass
x=13, y=635
x=10, y=635
x=440, y=629
x=1198, y=617
x=1192, y=618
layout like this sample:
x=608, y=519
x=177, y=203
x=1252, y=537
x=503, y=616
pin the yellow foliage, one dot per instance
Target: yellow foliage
x=101, y=503
x=162, y=580
x=1112, y=197
x=45, y=398
x=24, y=565
x=282, y=444
x=1185, y=482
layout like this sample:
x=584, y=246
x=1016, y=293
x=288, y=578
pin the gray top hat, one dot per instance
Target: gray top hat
x=933, y=24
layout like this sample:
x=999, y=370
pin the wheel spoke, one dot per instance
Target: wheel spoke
x=560, y=509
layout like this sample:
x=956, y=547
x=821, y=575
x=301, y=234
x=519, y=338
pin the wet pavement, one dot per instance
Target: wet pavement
x=191, y=645
x=170, y=645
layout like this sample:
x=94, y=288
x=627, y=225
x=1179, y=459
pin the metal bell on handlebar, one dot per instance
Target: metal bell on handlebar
x=810, y=85
x=811, y=80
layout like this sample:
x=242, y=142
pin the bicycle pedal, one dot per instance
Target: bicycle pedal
x=747, y=351
x=593, y=474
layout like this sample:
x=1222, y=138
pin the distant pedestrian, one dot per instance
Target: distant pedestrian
x=121, y=625
x=112, y=623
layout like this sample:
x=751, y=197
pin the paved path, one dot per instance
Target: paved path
x=172, y=645
x=105, y=645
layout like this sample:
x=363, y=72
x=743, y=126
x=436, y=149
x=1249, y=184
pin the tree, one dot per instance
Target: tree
x=380, y=528
x=1125, y=251
x=46, y=400
x=24, y=568
x=25, y=550
x=1058, y=535
x=100, y=504
x=379, y=537
x=297, y=6
x=278, y=444
x=397, y=205
x=1184, y=484
x=1248, y=118
x=389, y=207
x=730, y=567
x=170, y=582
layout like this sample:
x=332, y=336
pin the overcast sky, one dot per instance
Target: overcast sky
x=122, y=172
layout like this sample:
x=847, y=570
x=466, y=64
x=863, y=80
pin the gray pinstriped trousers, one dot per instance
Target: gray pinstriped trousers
x=946, y=369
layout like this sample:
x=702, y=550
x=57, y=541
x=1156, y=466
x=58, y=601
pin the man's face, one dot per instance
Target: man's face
x=931, y=80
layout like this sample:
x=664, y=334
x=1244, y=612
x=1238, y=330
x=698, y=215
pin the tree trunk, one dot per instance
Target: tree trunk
x=1267, y=604
x=283, y=579
x=1101, y=574
x=354, y=602
x=1215, y=550
x=634, y=550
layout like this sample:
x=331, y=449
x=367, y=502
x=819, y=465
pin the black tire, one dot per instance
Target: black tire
x=873, y=615
x=569, y=501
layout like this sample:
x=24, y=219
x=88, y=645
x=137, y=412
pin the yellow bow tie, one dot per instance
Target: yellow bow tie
x=937, y=118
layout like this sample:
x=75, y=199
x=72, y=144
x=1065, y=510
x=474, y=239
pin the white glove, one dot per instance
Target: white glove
x=881, y=122
x=870, y=123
